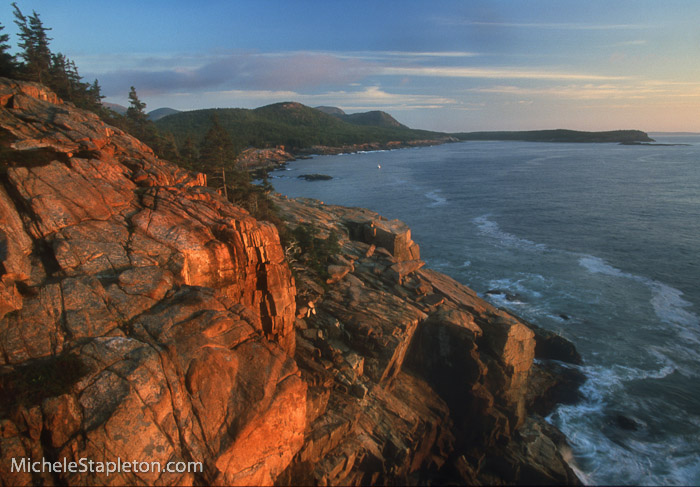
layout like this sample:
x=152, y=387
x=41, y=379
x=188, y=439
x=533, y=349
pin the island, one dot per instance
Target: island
x=315, y=177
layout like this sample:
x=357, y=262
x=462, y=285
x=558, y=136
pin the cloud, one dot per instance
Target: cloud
x=298, y=72
x=638, y=42
x=255, y=71
x=373, y=97
x=643, y=90
x=405, y=55
x=492, y=73
x=557, y=25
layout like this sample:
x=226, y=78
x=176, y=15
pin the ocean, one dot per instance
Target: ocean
x=597, y=242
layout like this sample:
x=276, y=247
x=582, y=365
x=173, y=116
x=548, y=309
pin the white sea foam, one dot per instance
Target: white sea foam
x=583, y=424
x=596, y=265
x=517, y=286
x=670, y=306
x=491, y=229
x=435, y=197
x=639, y=462
x=667, y=301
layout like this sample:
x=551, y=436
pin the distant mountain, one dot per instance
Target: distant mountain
x=375, y=118
x=120, y=109
x=293, y=125
x=331, y=110
x=159, y=113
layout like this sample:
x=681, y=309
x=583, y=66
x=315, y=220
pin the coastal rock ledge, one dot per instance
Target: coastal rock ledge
x=144, y=318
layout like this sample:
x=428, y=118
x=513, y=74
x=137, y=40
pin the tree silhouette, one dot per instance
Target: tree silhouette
x=34, y=45
x=8, y=65
x=216, y=150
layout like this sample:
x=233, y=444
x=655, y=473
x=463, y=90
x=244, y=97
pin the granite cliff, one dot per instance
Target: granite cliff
x=143, y=317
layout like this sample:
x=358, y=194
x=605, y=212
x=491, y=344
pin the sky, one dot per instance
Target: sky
x=451, y=66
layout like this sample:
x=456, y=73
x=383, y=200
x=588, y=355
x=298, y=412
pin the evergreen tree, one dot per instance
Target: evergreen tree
x=95, y=91
x=93, y=97
x=59, y=80
x=136, y=111
x=8, y=65
x=164, y=146
x=34, y=43
x=139, y=124
x=216, y=150
x=188, y=152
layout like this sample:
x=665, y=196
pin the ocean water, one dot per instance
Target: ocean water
x=598, y=242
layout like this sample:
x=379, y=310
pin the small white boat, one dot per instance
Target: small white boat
x=379, y=166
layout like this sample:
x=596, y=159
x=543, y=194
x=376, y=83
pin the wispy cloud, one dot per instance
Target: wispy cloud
x=242, y=70
x=637, y=42
x=275, y=71
x=374, y=96
x=558, y=25
x=492, y=73
x=643, y=90
x=403, y=55
x=371, y=97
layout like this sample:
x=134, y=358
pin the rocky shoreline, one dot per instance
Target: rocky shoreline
x=421, y=333
x=264, y=160
x=143, y=317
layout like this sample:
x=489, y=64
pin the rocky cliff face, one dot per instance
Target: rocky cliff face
x=436, y=385
x=171, y=310
x=142, y=317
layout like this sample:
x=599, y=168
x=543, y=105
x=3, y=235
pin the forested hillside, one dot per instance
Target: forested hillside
x=293, y=125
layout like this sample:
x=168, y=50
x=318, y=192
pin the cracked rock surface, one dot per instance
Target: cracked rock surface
x=171, y=310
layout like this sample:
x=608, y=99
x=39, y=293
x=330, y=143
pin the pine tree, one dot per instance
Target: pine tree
x=94, y=97
x=217, y=154
x=59, y=81
x=189, y=153
x=165, y=146
x=139, y=124
x=136, y=111
x=216, y=150
x=34, y=43
x=8, y=65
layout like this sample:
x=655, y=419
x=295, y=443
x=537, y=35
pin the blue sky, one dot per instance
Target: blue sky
x=442, y=65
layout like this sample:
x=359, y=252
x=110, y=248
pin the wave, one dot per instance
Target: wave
x=491, y=229
x=587, y=426
x=596, y=265
x=595, y=437
x=667, y=301
x=669, y=306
